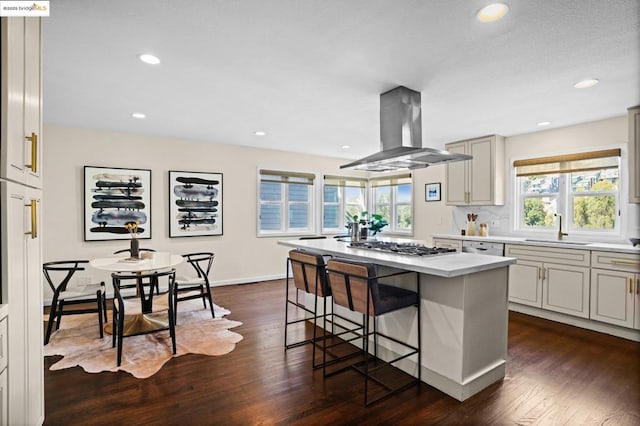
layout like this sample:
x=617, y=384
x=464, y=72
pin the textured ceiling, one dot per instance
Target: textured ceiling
x=310, y=73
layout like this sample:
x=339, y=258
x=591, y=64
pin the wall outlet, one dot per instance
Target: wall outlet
x=495, y=222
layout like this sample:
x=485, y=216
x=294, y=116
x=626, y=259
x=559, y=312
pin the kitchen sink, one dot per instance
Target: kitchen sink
x=575, y=243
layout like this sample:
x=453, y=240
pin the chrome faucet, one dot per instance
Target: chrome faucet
x=560, y=233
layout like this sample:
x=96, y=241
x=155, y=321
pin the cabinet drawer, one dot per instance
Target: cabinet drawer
x=3, y=344
x=446, y=243
x=549, y=254
x=627, y=262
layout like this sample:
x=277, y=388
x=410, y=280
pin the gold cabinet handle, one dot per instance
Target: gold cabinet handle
x=34, y=152
x=630, y=285
x=34, y=219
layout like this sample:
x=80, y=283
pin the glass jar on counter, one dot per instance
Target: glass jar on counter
x=484, y=230
x=471, y=228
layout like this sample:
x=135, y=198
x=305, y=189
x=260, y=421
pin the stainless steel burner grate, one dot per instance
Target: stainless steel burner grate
x=411, y=249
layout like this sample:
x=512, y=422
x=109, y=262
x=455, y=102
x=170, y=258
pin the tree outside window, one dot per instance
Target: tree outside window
x=589, y=199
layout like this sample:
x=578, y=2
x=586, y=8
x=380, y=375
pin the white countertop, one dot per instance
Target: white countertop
x=620, y=248
x=445, y=265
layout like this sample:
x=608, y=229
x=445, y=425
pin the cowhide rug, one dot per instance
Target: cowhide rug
x=79, y=343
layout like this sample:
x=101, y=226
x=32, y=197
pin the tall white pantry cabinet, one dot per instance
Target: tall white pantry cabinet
x=22, y=375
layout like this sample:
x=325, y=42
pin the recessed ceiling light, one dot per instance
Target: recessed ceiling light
x=492, y=12
x=260, y=133
x=138, y=115
x=345, y=146
x=544, y=123
x=150, y=59
x=589, y=82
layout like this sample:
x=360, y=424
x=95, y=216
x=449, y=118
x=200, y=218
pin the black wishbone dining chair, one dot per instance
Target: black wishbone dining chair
x=195, y=287
x=66, y=294
x=145, y=313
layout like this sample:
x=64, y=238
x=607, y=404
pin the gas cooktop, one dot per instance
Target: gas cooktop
x=411, y=249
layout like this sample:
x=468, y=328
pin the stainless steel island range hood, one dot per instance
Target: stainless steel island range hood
x=401, y=137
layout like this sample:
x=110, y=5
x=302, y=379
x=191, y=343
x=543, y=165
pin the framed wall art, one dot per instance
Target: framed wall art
x=432, y=191
x=113, y=198
x=195, y=204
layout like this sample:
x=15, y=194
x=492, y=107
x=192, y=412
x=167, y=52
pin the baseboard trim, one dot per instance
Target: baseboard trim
x=457, y=390
x=589, y=324
x=221, y=283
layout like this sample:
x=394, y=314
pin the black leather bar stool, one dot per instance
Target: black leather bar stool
x=309, y=277
x=355, y=286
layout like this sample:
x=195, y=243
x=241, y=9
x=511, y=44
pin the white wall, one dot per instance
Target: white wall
x=240, y=255
x=602, y=134
x=433, y=217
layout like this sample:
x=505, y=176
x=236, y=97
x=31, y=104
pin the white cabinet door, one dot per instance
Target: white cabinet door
x=4, y=396
x=13, y=147
x=634, y=154
x=456, y=182
x=33, y=307
x=566, y=289
x=21, y=141
x=33, y=101
x=479, y=181
x=636, y=323
x=612, y=297
x=481, y=170
x=22, y=291
x=525, y=283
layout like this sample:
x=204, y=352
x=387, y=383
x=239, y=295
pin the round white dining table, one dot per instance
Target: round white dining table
x=160, y=260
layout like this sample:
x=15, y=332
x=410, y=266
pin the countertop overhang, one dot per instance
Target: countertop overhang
x=445, y=265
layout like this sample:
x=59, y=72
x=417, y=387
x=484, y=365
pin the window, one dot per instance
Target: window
x=286, y=203
x=342, y=196
x=393, y=200
x=584, y=188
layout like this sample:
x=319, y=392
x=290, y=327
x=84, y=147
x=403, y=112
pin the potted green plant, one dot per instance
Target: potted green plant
x=367, y=223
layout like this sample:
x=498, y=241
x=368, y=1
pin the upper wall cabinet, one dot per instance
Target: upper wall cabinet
x=634, y=154
x=477, y=182
x=21, y=143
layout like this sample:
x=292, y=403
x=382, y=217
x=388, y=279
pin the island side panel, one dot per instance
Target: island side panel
x=464, y=331
x=485, y=329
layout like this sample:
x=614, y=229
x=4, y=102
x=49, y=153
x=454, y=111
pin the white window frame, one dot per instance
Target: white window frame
x=565, y=198
x=285, y=203
x=391, y=228
x=342, y=204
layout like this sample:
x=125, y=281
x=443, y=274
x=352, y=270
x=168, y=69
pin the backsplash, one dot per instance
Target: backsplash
x=499, y=220
x=496, y=217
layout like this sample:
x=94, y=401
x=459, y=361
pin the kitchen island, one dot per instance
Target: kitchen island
x=463, y=313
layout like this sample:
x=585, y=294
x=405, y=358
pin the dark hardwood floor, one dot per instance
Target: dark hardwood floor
x=556, y=374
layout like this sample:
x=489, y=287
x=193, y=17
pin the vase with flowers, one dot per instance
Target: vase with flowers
x=132, y=227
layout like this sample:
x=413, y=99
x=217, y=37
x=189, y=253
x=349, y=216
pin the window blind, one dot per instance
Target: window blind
x=585, y=161
x=390, y=180
x=287, y=177
x=330, y=180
